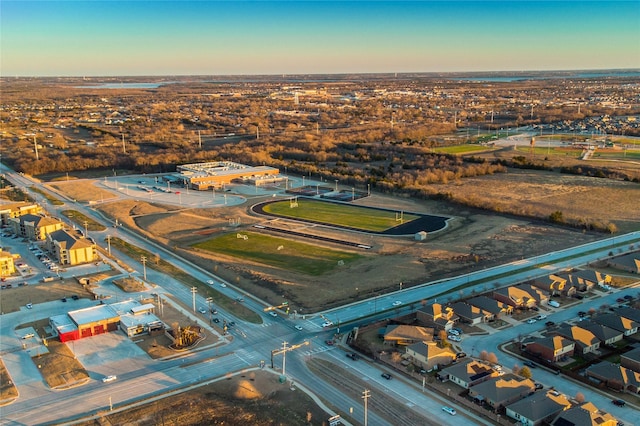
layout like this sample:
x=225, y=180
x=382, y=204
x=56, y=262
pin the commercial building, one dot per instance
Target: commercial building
x=204, y=176
x=12, y=210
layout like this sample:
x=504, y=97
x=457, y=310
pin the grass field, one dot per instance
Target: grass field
x=278, y=252
x=339, y=214
x=81, y=220
x=461, y=149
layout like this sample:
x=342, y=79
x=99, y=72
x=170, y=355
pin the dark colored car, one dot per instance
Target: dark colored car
x=618, y=402
x=329, y=342
x=628, y=297
x=549, y=323
x=75, y=297
x=216, y=320
x=64, y=299
x=460, y=355
x=582, y=314
x=529, y=364
x=354, y=356
x=538, y=386
x=386, y=376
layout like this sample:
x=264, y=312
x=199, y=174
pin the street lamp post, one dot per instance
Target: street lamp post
x=194, y=290
x=209, y=300
x=144, y=267
x=336, y=185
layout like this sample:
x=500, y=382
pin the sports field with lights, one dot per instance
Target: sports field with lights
x=343, y=215
x=278, y=252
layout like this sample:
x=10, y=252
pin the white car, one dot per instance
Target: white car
x=223, y=285
x=454, y=338
x=109, y=379
x=210, y=282
x=531, y=320
x=273, y=314
x=449, y=410
x=29, y=305
x=541, y=317
x=202, y=310
x=397, y=303
x=327, y=324
x=298, y=327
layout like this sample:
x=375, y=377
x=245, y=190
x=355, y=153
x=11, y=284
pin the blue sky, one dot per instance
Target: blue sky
x=89, y=38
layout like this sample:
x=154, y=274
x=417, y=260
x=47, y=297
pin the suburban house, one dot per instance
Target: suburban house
x=587, y=279
x=402, y=335
x=629, y=262
x=586, y=342
x=515, y=297
x=7, y=267
x=538, y=408
x=551, y=348
x=631, y=360
x=430, y=354
x=553, y=284
x=586, y=414
x=617, y=322
x=606, y=335
x=468, y=373
x=629, y=313
x=615, y=376
x=470, y=314
x=492, y=306
x=8, y=211
x=541, y=297
x=34, y=227
x=442, y=317
x=501, y=391
x=69, y=249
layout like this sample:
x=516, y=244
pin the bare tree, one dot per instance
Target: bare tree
x=492, y=358
x=580, y=397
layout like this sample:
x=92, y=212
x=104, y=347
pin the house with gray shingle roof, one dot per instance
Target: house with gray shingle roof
x=615, y=376
x=515, y=297
x=495, y=308
x=498, y=392
x=551, y=348
x=440, y=316
x=631, y=360
x=407, y=334
x=617, y=322
x=629, y=262
x=468, y=373
x=606, y=335
x=586, y=414
x=586, y=342
x=541, y=297
x=470, y=314
x=430, y=354
x=538, y=408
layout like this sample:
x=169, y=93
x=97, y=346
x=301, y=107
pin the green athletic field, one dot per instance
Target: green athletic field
x=278, y=252
x=339, y=214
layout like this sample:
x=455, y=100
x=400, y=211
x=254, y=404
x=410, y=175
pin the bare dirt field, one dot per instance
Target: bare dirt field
x=253, y=398
x=12, y=299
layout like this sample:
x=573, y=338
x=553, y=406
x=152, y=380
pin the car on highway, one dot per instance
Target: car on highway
x=386, y=376
x=202, y=310
x=397, y=303
x=529, y=364
x=298, y=327
x=214, y=311
x=449, y=410
x=329, y=342
x=628, y=297
x=216, y=320
x=29, y=305
x=75, y=297
x=618, y=402
x=210, y=282
x=541, y=317
x=223, y=285
x=354, y=356
x=327, y=324
x=549, y=323
x=64, y=299
x=582, y=314
x=107, y=379
x=531, y=320
x=273, y=314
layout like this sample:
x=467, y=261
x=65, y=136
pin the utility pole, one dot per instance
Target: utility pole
x=124, y=149
x=284, y=358
x=144, y=267
x=109, y=244
x=85, y=223
x=35, y=145
x=194, y=290
x=366, y=394
x=199, y=140
x=209, y=300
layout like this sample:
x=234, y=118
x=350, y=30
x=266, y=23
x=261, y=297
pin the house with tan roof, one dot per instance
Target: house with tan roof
x=514, y=296
x=538, y=408
x=553, y=284
x=501, y=391
x=468, y=373
x=615, y=376
x=70, y=250
x=586, y=342
x=430, y=354
x=402, y=335
x=586, y=414
x=551, y=348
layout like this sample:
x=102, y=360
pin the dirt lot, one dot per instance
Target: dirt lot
x=254, y=398
x=12, y=299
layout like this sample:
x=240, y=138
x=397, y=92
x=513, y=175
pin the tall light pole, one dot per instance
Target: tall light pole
x=284, y=358
x=144, y=267
x=336, y=185
x=109, y=244
x=366, y=394
x=194, y=290
x=209, y=300
x=85, y=223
